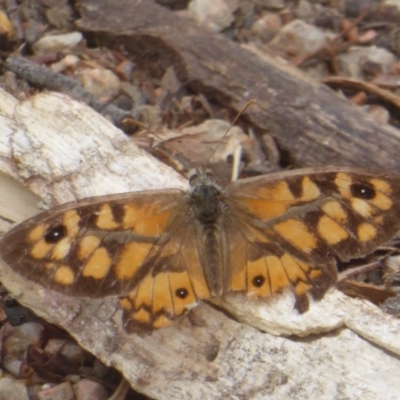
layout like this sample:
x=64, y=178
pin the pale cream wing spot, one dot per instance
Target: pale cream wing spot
x=64, y=275
x=297, y=233
x=37, y=233
x=41, y=249
x=334, y=210
x=61, y=249
x=331, y=231
x=362, y=207
x=382, y=201
x=366, y=232
x=105, y=218
x=310, y=191
x=98, y=265
x=343, y=182
x=71, y=221
x=381, y=186
x=87, y=246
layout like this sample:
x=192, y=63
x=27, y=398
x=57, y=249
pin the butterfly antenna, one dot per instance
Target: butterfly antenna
x=246, y=106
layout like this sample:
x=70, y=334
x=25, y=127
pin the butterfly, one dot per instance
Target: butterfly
x=163, y=251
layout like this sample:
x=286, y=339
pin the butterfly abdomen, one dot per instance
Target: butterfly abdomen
x=213, y=266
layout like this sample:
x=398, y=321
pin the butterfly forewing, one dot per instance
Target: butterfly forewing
x=95, y=247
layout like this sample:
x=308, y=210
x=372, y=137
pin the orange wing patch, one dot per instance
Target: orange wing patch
x=297, y=233
x=105, y=218
x=87, y=246
x=41, y=249
x=64, y=275
x=310, y=191
x=334, y=210
x=98, y=265
x=145, y=220
x=131, y=258
x=331, y=231
x=366, y=232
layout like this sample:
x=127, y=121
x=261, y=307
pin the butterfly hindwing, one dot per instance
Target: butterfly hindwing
x=175, y=283
x=262, y=265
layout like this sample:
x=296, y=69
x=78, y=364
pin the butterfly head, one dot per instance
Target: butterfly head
x=201, y=176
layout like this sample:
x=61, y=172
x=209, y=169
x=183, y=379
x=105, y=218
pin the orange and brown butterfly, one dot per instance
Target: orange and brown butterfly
x=163, y=251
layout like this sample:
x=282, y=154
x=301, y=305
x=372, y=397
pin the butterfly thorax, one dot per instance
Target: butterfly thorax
x=205, y=198
x=206, y=204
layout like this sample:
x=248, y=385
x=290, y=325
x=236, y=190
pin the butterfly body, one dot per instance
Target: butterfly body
x=163, y=251
x=209, y=211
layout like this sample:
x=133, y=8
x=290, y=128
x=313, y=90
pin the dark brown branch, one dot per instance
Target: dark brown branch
x=43, y=77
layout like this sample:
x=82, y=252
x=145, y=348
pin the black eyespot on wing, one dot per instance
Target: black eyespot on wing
x=55, y=234
x=182, y=293
x=363, y=190
x=258, y=281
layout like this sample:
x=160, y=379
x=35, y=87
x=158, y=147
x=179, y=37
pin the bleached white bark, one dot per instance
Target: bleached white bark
x=62, y=150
